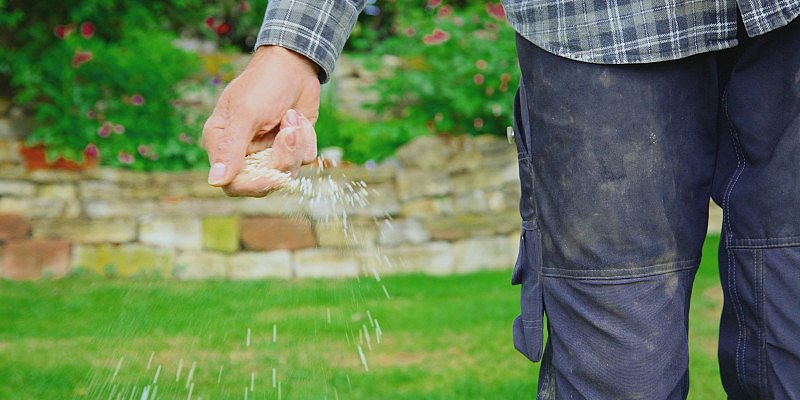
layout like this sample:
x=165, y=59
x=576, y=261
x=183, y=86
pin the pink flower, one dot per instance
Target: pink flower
x=119, y=129
x=137, y=99
x=410, y=32
x=143, y=150
x=90, y=114
x=438, y=36
x=210, y=22
x=496, y=10
x=478, y=79
x=91, y=151
x=125, y=158
x=445, y=11
x=87, y=30
x=477, y=123
x=81, y=57
x=244, y=6
x=505, y=77
x=481, y=64
x=434, y=3
x=62, y=31
x=104, y=131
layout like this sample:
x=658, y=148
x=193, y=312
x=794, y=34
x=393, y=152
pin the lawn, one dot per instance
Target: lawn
x=442, y=338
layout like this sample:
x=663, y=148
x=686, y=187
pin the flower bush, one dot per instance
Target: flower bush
x=458, y=74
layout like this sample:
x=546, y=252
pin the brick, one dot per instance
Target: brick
x=17, y=188
x=34, y=258
x=183, y=233
x=260, y=265
x=326, y=263
x=86, y=231
x=275, y=233
x=221, y=233
x=473, y=254
x=197, y=265
x=14, y=226
x=124, y=261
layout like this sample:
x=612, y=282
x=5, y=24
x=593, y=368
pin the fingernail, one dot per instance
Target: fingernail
x=216, y=174
x=291, y=139
x=291, y=118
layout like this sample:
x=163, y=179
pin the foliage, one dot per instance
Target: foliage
x=458, y=70
x=107, y=86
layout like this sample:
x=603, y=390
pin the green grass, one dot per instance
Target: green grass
x=444, y=338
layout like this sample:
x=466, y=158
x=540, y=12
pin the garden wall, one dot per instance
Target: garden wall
x=452, y=201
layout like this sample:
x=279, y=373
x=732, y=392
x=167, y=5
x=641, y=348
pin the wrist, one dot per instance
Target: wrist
x=285, y=56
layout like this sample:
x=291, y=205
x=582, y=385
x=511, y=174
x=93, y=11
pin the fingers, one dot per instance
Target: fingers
x=226, y=143
x=288, y=149
x=310, y=138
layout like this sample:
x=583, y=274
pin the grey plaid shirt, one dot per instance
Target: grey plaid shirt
x=597, y=31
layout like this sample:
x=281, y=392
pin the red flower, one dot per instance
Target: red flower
x=438, y=36
x=410, y=32
x=62, y=31
x=505, y=77
x=481, y=64
x=210, y=22
x=125, y=158
x=81, y=57
x=223, y=29
x=445, y=11
x=477, y=123
x=496, y=10
x=478, y=79
x=137, y=99
x=91, y=151
x=434, y=3
x=87, y=30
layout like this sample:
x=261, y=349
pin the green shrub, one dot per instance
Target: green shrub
x=458, y=72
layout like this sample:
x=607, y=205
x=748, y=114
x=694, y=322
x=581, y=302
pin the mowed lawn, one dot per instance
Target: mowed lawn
x=442, y=338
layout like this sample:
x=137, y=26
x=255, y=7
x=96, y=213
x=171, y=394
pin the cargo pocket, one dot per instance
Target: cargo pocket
x=528, y=335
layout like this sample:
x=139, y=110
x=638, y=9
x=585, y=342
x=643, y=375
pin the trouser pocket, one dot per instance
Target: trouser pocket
x=527, y=272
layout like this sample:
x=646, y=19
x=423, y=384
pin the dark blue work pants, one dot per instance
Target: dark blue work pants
x=617, y=164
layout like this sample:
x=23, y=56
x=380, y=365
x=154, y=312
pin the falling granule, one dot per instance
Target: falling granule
x=150, y=361
x=369, y=316
x=245, y=393
x=329, y=315
x=191, y=374
x=145, y=392
x=133, y=393
x=191, y=389
x=178, y=373
x=375, y=273
x=335, y=394
x=363, y=358
x=252, y=381
x=347, y=337
x=248, y=337
x=378, y=332
x=349, y=385
x=116, y=370
x=279, y=391
x=155, y=392
x=219, y=377
x=158, y=371
x=274, y=377
x=386, y=292
x=274, y=333
x=366, y=335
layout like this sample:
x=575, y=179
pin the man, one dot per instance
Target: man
x=630, y=114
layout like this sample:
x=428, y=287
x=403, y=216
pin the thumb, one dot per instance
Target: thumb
x=226, y=146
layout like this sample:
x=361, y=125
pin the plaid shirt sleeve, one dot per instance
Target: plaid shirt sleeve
x=316, y=29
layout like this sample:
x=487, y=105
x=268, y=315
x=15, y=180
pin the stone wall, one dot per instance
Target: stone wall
x=452, y=203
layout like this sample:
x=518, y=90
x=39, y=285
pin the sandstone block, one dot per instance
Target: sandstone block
x=86, y=230
x=419, y=183
x=260, y=265
x=195, y=207
x=221, y=234
x=34, y=258
x=409, y=230
x=14, y=226
x=124, y=261
x=63, y=191
x=332, y=233
x=427, y=152
x=494, y=252
x=474, y=201
x=274, y=204
x=54, y=176
x=461, y=226
x=118, y=208
x=426, y=207
x=94, y=189
x=195, y=265
x=35, y=207
x=714, y=218
x=325, y=263
x=275, y=233
x=435, y=258
x=17, y=188
x=185, y=233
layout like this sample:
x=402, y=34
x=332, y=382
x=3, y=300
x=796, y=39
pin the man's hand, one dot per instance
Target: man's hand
x=248, y=115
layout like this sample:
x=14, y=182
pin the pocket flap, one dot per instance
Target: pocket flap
x=528, y=335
